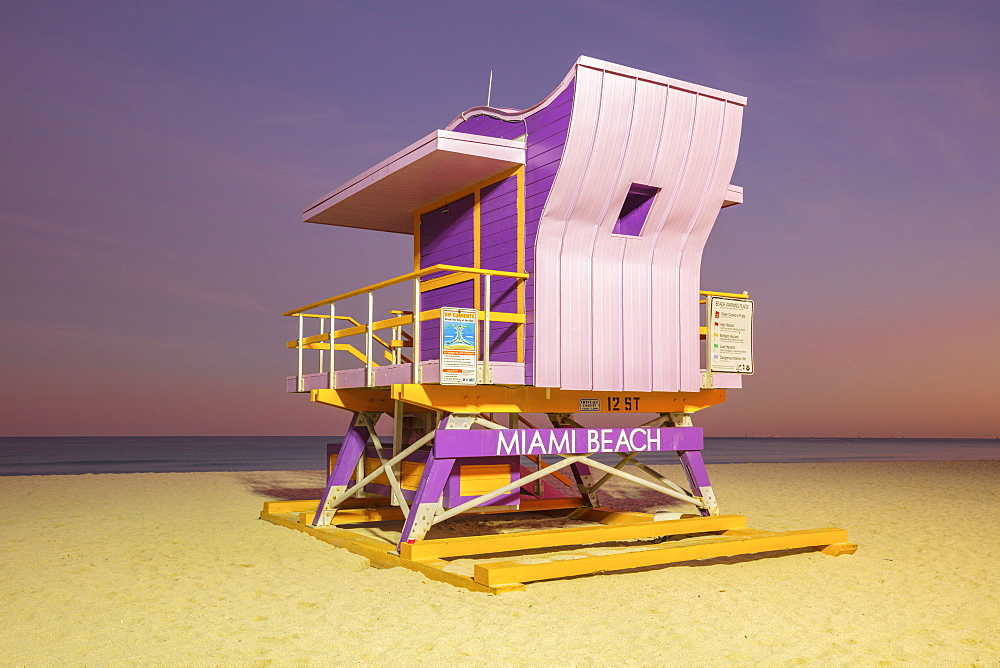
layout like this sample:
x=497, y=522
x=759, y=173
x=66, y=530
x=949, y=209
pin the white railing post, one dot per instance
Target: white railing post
x=397, y=335
x=416, y=331
x=322, y=331
x=369, y=376
x=333, y=344
x=298, y=376
x=487, y=373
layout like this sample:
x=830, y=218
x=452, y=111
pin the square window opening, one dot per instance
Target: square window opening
x=635, y=209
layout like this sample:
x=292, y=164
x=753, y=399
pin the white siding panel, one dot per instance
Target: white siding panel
x=691, y=254
x=582, y=225
x=606, y=277
x=638, y=337
x=620, y=313
x=671, y=166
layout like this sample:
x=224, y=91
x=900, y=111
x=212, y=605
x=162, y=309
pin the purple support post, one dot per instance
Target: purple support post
x=428, y=498
x=697, y=475
x=347, y=461
x=581, y=474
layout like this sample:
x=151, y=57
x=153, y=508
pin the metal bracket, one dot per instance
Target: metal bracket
x=680, y=419
x=328, y=511
x=370, y=417
x=460, y=421
x=424, y=519
x=562, y=420
x=708, y=498
x=707, y=380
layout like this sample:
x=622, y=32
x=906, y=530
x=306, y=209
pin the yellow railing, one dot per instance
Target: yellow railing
x=731, y=295
x=703, y=331
x=400, y=339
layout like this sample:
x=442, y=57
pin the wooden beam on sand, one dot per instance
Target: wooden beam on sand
x=533, y=540
x=568, y=503
x=357, y=515
x=592, y=549
x=304, y=506
x=378, y=553
x=581, y=562
x=603, y=515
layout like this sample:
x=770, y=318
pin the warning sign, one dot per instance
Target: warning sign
x=729, y=335
x=459, y=346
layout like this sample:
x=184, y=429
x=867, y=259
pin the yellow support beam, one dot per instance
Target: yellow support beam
x=346, y=347
x=359, y=399
x=280, y=507
x=534, y=540
x=521, y=285
x=356, y=515
x=307, y=510
x=443, y=282
x=529, y=399
x=732, y=295
x=506, y=573
x=501, y=316
x=605, y=515
x=589, y=552
x=377, y=552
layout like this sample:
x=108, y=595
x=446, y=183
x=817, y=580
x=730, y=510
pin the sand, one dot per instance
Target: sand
x=176, y=569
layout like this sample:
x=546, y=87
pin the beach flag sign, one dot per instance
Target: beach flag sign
x=729, y=335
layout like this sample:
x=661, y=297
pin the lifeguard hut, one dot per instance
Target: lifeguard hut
x=556, y=262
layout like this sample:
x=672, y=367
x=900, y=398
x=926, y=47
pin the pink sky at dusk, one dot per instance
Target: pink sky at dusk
x=156, y=158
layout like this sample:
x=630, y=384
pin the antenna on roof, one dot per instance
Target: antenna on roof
x=489, y=91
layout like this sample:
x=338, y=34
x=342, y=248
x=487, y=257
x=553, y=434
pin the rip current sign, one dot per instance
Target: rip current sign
x=729, y=335
x=459, y=346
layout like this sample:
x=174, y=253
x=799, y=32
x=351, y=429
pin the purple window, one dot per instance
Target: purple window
x=635, y=209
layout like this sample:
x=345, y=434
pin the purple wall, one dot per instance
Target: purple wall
x=498, y=250
x=446, y=237
x=546, y=131
x=635, y=209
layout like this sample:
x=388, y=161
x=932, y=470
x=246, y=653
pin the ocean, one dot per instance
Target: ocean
x=165, y=454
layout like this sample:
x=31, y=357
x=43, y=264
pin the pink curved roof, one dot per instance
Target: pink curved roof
x=385, y=196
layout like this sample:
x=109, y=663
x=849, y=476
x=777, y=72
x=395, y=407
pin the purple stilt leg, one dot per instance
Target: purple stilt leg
x=427, y=500
x=581, y=473
x=697, y=475
x=347, y=461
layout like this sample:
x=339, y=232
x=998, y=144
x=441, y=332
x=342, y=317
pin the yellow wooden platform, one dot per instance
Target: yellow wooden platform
x=600, y=540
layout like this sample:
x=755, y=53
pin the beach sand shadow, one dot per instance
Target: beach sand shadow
x=308, y=485
x=285, y=485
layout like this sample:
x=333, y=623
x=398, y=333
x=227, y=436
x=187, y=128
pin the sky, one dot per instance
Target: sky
x=155, y=159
